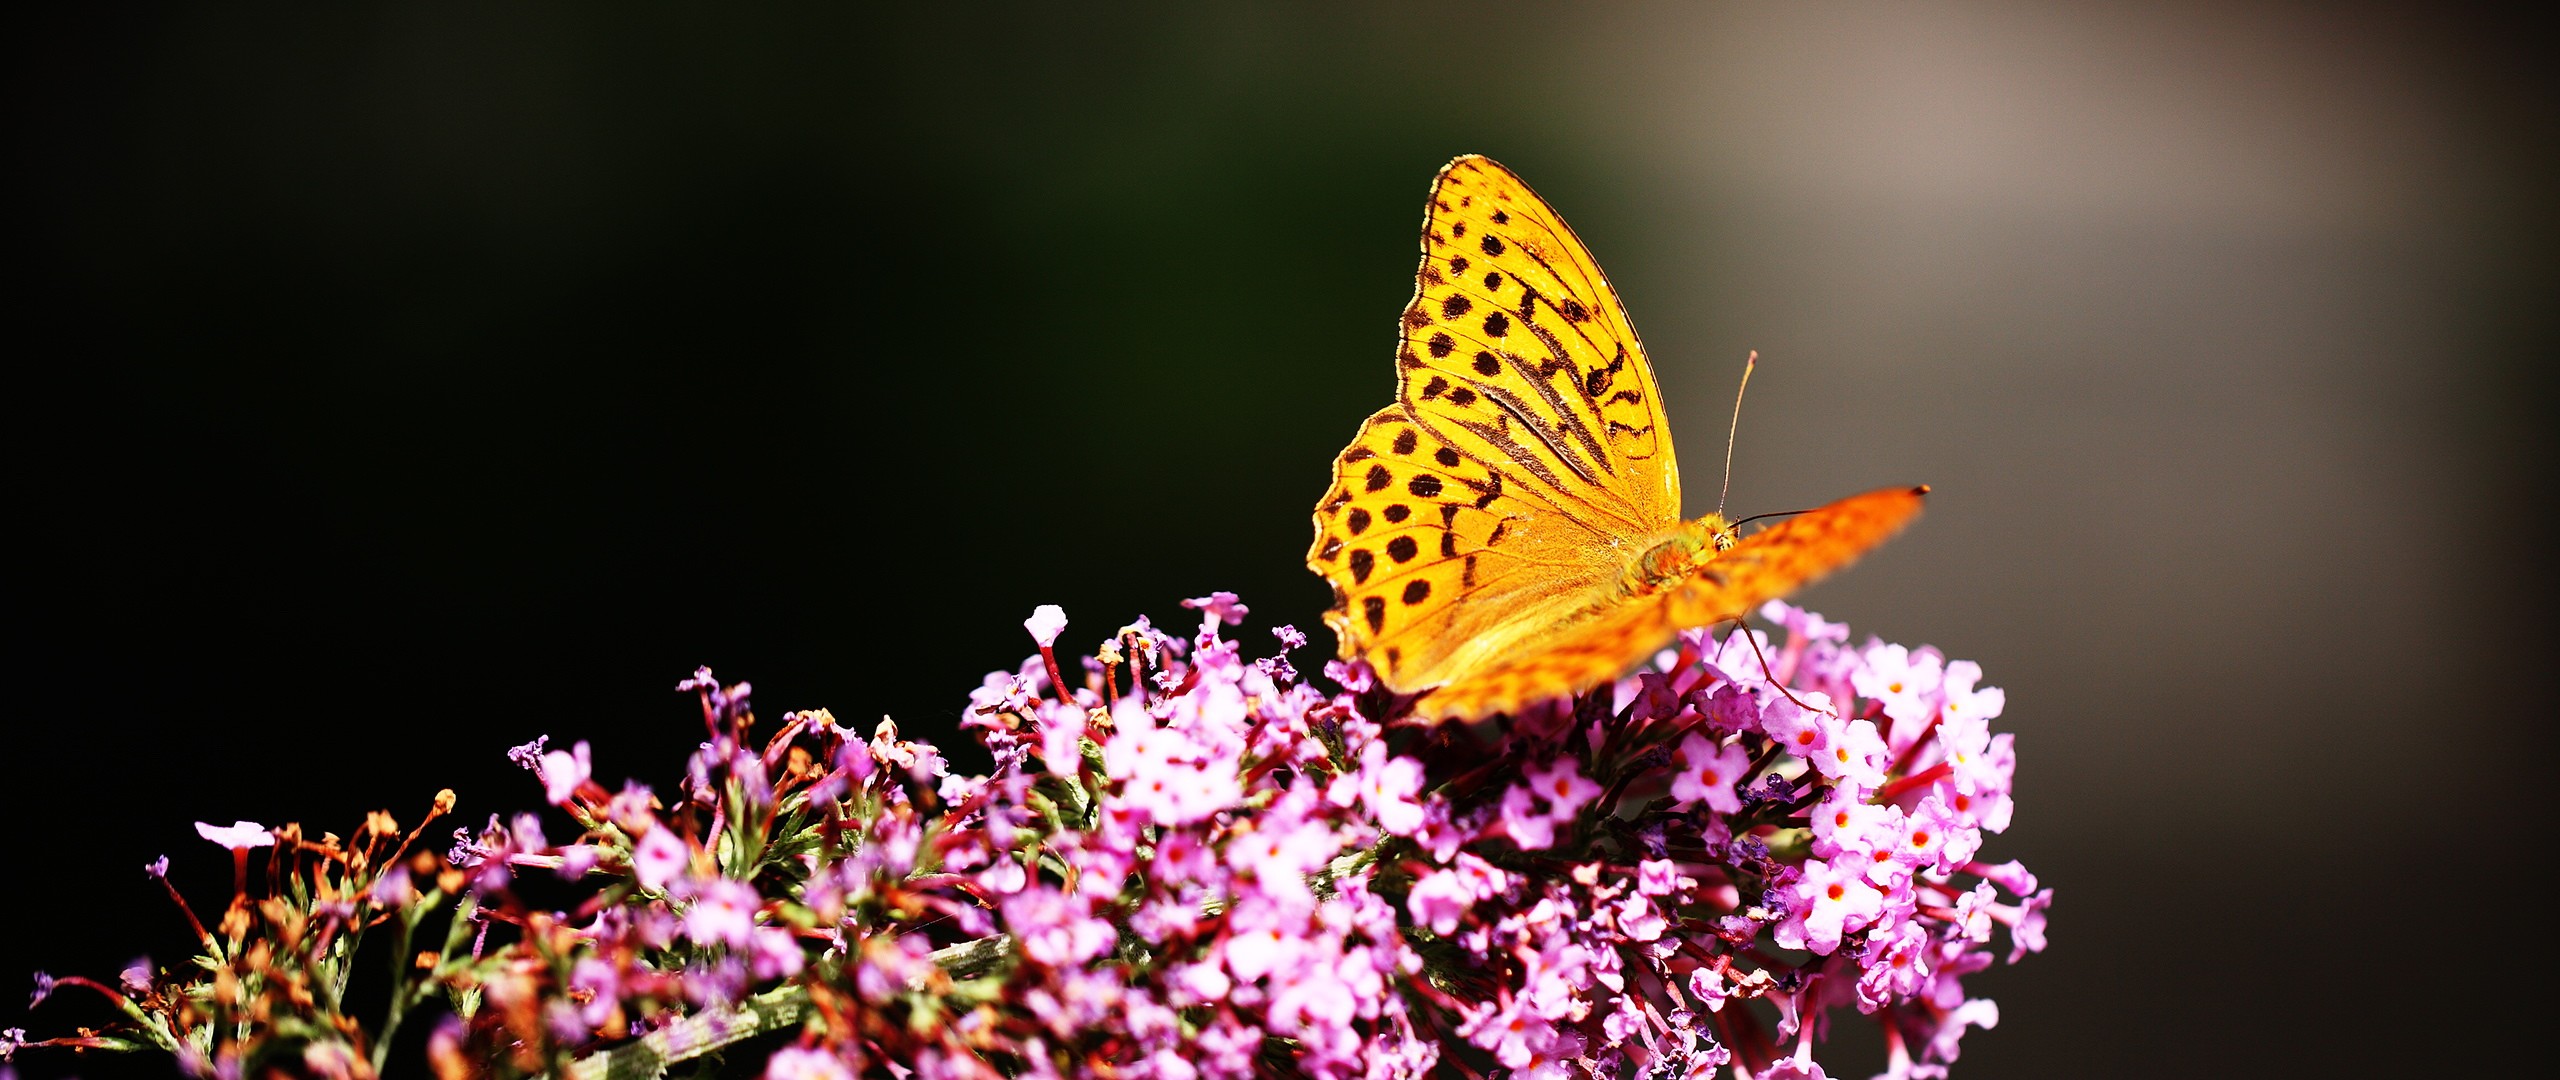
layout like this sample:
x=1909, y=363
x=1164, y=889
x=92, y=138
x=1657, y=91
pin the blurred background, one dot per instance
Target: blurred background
x=395, y=387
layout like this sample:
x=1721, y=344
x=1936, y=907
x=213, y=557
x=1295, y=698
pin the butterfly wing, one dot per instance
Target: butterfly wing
x=1517, y=352
x=1525, y=462
x=1796, y=551
x=1438, y=562
x=1606, y=639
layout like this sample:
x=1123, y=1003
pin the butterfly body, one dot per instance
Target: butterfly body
x=1510, y=528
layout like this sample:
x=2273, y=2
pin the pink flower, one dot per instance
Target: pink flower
x=1958, y=698
x=1638, y=920
x=1833, y=899
x=1062, y=730
x=1707, y=773
x=1441, y=897
x=805, y=1063
x=1561, y=784
x=1802, y=732
x=659, y=858
x=1710, y=987
x=1855, y=756
x=2011, y=875
x=723, y=912
x=238, y=836
x=1056, y=928
x=1386, y=787
x=1904, y=680
x=1896, y=967
x=1046, y=622
x=1658, y=877
x=2026, y=927
x=1979, y=1012
x=1802, y=623
x=563, y=772
x=1531, y=830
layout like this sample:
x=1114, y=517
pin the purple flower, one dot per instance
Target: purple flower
x=393, y=889
x=136, y=976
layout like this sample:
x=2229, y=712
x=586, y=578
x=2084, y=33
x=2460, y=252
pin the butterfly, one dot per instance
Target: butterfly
x=1509, y=529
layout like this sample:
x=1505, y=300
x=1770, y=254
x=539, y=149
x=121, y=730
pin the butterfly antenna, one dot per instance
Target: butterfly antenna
x=1748, y=363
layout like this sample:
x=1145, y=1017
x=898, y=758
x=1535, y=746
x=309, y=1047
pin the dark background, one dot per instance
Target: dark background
x=390, y=388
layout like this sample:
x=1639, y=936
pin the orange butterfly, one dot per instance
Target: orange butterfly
x=1509, y=530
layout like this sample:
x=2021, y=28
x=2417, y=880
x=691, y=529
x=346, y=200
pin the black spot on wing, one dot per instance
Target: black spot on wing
x=1402, y=549
x=1361, y=563
x=1447, y=458
x=1405, y=442
x=1379, y=478
x=1491, y=244
x=1416, y=591
x=1441, y=344
x=1358, y=522
x=1455, y=305
x=1424, y=486
x=1374, y=608
x=1397, y=512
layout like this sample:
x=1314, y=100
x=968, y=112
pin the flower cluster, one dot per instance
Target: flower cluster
x=1184, y=863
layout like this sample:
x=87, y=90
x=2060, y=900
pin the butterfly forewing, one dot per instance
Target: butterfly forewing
x=1517, y=352
x=1774, y=561
x=1599, y=642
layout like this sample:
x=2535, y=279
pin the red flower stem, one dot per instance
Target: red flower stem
x=1913, y=750
x=1923, y=778
x=1057, y=682
x=189, y=912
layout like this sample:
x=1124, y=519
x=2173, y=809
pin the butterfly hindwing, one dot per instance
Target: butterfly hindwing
x=1435, y=556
